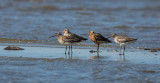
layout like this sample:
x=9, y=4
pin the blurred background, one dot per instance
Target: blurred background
x=39, y=19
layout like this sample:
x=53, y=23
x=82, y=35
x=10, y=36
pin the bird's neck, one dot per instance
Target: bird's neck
x=65, y=33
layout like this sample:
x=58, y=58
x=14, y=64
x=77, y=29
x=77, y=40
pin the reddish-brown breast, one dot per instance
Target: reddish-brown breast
x=92, y=37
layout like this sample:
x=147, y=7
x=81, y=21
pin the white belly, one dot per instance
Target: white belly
x=120, y=43
x=61, y=41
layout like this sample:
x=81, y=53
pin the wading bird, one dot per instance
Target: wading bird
x=122, y=40
x=75, y=38
x=98, y=39
x=62, y=40
x=67, y=41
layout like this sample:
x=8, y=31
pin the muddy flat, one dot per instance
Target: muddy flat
x=48, y=64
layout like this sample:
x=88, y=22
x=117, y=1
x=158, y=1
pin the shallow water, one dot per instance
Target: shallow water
x=38, y=19
x=48, y=64
x=29, y=23
x=135, y=56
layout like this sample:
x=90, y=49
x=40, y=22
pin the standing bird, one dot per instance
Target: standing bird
x=66, y=40
x=122, y=40
x=68, y=33
x=98, y=39
x=62, y=40
x=73, y=37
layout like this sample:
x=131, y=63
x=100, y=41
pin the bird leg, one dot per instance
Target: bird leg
x=120, y=50
x=69, y=50
x=124, y=58
x=98, y=54
x=71, y=55
x=124, y=50
x=66, y=50
x=98, y=48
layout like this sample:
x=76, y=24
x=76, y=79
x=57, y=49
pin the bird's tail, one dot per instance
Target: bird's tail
x=108, y=41
x=135, y=39
x=82, y=38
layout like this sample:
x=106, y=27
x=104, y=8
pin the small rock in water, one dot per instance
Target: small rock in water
x=13, y=48
x=154, y=50
x=92, y=51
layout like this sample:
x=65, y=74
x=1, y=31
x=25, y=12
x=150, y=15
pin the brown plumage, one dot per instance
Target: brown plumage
x=66, y=40
x=98, y=39
x=72, y=35
x=122, y=40
x=62, y=40
x=72, y=38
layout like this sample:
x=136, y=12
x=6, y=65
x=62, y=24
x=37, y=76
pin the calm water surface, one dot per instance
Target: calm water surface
x=34, y=65
x=39, y=19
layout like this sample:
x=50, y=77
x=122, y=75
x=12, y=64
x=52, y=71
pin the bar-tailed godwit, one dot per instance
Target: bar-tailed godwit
x=73, y=38
x=98, y=39
x=122, y=40
x=68, y=33
x=62, y=40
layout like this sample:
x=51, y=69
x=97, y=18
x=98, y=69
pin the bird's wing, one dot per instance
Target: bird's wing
x=125, y=39
x=70, y=39
x=77, y=36
x=99, y=37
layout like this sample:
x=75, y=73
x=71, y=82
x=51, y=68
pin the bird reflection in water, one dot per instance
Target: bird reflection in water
x=95, y=57
x=122, y=58
x=68, y=56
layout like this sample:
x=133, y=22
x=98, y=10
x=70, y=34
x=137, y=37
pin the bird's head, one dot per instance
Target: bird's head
x=65, y=30
x=90, y=32
x=114, y=35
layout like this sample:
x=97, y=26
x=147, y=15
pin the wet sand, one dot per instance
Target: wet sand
x=48, y=64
